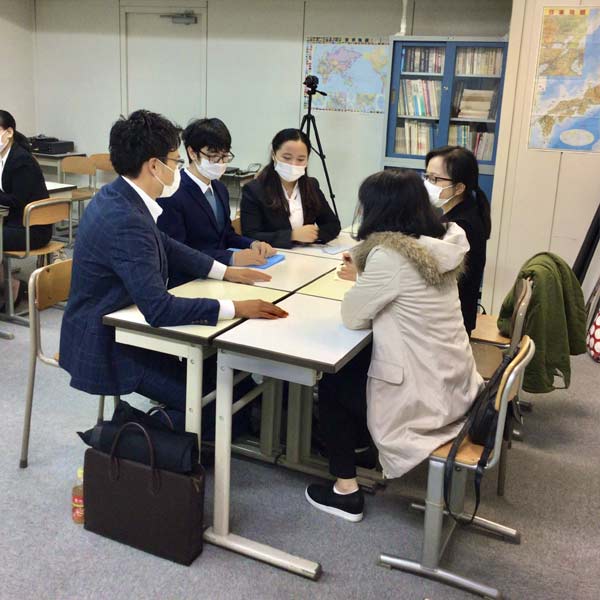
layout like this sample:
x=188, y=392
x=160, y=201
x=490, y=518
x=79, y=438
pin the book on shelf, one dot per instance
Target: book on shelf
x=423, y=60
x=419, y=97
x=474, y=103
x=481, y=143
x=479, y=61
x=414, y=137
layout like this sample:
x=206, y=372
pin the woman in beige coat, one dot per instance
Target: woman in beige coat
x=422, y=377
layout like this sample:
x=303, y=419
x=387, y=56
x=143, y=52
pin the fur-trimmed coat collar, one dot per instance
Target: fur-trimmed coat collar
x=413, y=250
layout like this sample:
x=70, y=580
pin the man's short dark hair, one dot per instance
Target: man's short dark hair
x=207, y=132
x=138, y=138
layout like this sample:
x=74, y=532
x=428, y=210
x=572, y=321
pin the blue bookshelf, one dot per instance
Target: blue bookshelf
x=444, y=90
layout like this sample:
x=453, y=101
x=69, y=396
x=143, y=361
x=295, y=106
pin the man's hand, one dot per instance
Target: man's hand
x=258, y=309
x=264, y=249
x=307, y=234
x=245, y=276
x=348, y=270
x=247, y=257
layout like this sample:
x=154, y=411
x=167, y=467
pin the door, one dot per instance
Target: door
x=163, y=62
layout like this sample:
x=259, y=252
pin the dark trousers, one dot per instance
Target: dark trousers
x=14, y=237
x=164, y=381
x=343, y=414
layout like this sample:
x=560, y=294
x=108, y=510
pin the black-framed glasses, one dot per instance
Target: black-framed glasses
x=433, y=178
x=226, y=157
x=178, y=161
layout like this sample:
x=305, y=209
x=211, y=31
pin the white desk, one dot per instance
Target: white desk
x=343, y=239
x=296, y=271
x=329, y=286
x=54, y=160
x=310, y=340
x=60, y=189
x=187, y=341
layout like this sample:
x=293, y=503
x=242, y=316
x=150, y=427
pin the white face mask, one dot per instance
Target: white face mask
x=289, y=172
x=210, y=170
x=434, y=194
x=4, y=140
x=169, y=190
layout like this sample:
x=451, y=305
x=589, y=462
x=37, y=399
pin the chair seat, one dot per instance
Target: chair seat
x=468, y=453
x=487, y=359
x=83, y=193
x=486, y=331
x=47, y=249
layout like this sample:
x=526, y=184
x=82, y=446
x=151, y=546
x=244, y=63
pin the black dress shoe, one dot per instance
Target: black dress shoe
x=347, y=506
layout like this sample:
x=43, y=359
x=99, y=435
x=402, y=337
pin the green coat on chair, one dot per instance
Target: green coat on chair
x=555, y=320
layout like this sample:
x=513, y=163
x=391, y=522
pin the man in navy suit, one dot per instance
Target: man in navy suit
x=198, y=213
x=122, y=258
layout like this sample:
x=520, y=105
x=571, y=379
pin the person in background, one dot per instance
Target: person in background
x=421, y=377
x=452, y=182
x=198, y=213
x=21, y=182
x=283, y=205
x=121, y=258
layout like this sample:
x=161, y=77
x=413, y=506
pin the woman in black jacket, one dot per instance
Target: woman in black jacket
x=21, y=182
x=283, y=205
x=452, y=181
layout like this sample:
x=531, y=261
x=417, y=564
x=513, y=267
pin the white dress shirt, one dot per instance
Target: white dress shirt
x=3, y=160
x=296, y=211
x=217, y=271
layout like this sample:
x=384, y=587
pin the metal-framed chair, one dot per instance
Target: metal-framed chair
x=48, y=286
x=79, y=165
x=40, y=212
x=434, y=540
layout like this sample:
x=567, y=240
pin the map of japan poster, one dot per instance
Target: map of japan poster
x=351, y=70
x=566, y=103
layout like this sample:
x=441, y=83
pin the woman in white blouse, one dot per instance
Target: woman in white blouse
x=283, y=205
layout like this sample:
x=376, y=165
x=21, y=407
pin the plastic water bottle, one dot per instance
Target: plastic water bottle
x=77, y=510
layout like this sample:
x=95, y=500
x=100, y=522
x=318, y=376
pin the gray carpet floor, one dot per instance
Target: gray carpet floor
x=552, y=497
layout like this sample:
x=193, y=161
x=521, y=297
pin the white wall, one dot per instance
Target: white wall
x=254, y=71
x=544, y=200
x=17, y=71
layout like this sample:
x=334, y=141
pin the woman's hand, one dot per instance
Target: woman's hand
x=348, y=269
x=247, y=257
x=307, y=234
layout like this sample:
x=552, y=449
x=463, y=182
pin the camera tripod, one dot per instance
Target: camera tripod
x=308, y=120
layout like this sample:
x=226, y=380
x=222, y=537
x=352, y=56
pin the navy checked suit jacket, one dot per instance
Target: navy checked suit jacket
x=121, y=258
x=188, y=218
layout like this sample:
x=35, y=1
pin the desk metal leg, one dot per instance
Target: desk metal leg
x=193, y=391
x=294, y=423
x=306, y=413
x=267, y=420
x=219, y=533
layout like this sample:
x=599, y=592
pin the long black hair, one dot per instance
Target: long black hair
x=275, y=198
x=6, y=121
x=396, y=200
x=462, y=167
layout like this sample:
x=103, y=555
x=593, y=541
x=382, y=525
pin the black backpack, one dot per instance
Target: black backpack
x=480, y=426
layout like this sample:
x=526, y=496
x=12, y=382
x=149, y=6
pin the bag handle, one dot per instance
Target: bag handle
x=164, y=413
x=114, y=472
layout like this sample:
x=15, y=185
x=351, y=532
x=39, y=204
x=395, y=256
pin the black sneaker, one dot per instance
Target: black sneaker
x=348, y=506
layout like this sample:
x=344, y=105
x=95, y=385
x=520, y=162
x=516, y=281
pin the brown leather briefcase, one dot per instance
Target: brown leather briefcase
x=157, y=511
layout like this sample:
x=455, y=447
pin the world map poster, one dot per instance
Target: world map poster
x=351, y=71
x=566, y=106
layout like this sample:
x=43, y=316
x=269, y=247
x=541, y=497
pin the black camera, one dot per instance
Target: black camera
x=311, y=81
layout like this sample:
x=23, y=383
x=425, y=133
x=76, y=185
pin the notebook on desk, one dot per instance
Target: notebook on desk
x=273, y=260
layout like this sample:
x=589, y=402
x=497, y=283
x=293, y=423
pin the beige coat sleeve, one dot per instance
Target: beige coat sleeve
x=375, y=288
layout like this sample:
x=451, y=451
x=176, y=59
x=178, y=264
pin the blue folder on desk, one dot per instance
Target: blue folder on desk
x=273, y=260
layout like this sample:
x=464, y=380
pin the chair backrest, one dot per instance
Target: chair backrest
x=78, y=165
x=46, y=212
x=237, y=225
x=508, y=389
x=523, y=295
x=52, y=284
x=102, y=162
